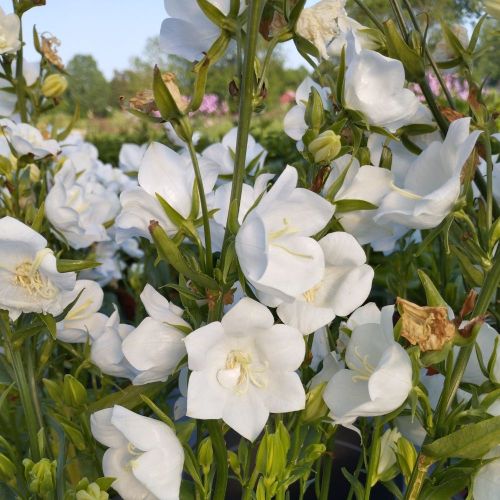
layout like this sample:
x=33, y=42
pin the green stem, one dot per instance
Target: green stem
x=418, y=476
x=21, y=380
x=220, y=452
x=428, y=54
x=204, y=208
x=245, y=112
x=20, y=83
x=327, y=468
x=370, y=14
x=265, y=64
x=431, y=102
x=374, y=457
x=249, y=487
x=489, y=179
x=399, y=18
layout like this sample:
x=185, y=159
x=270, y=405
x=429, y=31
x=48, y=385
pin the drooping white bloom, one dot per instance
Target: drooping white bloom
x=294, y=123
x=26, y=139
x=243, y=368
x=374, y=85
x=130, y=156
x=274, y=248
x=350, y=32
x=378, y=377
x=345, y=285
x=431, y=186
x=106, y=349
x=83, y=319
x=168, y=174
x=187, y=32
x=220, y=200
x=144, y=454
x=78, y=208
x=156, y=347
x=10, y=26
x=29, y=279
x=366, y=183
x=222, y=153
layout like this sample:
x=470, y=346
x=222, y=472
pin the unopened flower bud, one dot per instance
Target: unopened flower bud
x=427, y=327
x=34, y=173
x=206, y=455
x=315, y=114
x=41, y=476
x=315, y=405
x=74, y=392
x=325, y=147
x=54, y=85
x=92, y=492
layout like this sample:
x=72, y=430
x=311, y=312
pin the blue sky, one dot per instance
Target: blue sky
x=111, y=30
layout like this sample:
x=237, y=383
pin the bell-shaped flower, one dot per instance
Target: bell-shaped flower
x=29, y=279
x=10, y=27
x=222, y=154
x=350, y=32
x=106, y=350
x=274, y=247
x=164, y=172
x=372, y=79
x=331, y=365
x=130, y=156
x=144, y=455
x=366, y=183
x=187, y=32
x=294, y=124
x=345, y=285
x=156, y=347
x=378, y=377
x=79, y=207
x=431, y=186
x=26, y=139
x=84, y=318
x=243, y=368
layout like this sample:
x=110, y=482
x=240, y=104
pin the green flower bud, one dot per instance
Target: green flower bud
x=54, y=85
x=315, y=115
x=41, y=476
x=74, y=393
x=315, y=405
x=206, y=455
x=325, y=147
x=92, y=492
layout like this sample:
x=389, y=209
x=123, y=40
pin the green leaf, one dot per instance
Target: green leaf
x=211, y=12
x=163, y=98
x=50, y=323
x=170, y=212
x=353, y=205
x=130, y=397
x=158, y=412
x=105, y=482
x=416, y=129
x=471, y=441
x=434, y=298
x=67, y=265
x=341, y=77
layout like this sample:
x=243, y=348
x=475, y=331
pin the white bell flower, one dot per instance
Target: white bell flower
x=274, y=247
x=144, y=455
x=169, y=174
x=29, y=279
x=130, y=156
x=156, y=347
x=372, y=79
x=243, y=368
x=294, y=122
x=111, y=265
x=378, y=377
x=222, y=153
x=26, y=139
x=187, y=32
x=432, y=184
x=106, y=348
x=10, y=27
x=345, y=285
x=84, y=318
x=78, y=208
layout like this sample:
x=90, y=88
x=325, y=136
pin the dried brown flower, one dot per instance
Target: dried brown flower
x=49, y=50
x=427, y=327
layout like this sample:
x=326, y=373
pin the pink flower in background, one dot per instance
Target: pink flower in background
x=212, y=105
x=457, y=86
x=287, y=97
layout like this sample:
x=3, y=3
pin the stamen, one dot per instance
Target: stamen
x=405, y=193
x=240, y=363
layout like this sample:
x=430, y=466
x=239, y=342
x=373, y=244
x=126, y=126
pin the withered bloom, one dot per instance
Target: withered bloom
x=427, y=327
x=49, y=50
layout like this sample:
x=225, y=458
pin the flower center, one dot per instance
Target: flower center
x=239, y=372
x=79, y=312
x=286, y=230
x=364, y=371
x=28, y=276
x=3, y=42
x=310, y=295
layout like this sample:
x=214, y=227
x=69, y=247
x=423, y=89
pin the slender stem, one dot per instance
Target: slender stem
x=327, y=468
x=370, y=14
x=245, y=110
x=489, y=179
x=399, y=18
x=374, y=458
x=431, y=102
x=20, y=83
x=220, y=452
x=428, y=54
x=204, y=208
x=23, y=387
x=418, y=476
x=265, y=64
